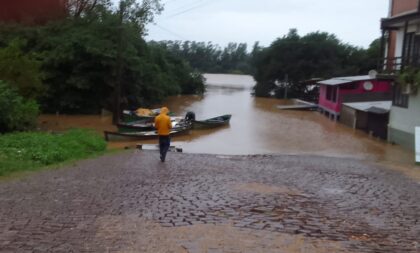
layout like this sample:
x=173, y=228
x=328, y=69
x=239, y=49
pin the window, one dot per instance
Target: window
x=400, y=99
x=332, y=93
x=412, y=49
x=408, y=49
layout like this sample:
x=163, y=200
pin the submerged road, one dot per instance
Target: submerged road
x=131, y=202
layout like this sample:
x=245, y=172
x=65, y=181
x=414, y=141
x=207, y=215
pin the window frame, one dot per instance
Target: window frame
x=332, y=93
x=399, y=99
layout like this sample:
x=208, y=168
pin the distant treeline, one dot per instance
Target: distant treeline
x=290, y=61
x=207, y=57
x=287, y=64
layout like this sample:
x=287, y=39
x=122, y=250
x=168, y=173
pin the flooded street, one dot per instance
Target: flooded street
x=256, y=127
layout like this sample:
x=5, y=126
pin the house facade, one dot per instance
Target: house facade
x=336, y=91
x=401, y=50
x=30, y=11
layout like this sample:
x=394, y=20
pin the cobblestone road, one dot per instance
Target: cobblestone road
x=131, y=202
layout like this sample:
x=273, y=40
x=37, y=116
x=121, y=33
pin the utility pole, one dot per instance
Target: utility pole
x=117, y=106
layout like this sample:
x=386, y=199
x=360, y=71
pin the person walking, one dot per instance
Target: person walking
x=163, y=125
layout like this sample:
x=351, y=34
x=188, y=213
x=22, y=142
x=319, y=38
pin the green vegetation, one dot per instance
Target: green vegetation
x=20, y=69
x=86, y=60
x=29, y=151
x=94, y=59
x=409, y=78
x=210, y=58
x=292, y=60
x=17, y=113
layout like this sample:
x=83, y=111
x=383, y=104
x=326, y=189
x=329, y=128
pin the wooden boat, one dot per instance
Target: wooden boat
x=140, y=126
x=212, y=122
x=124, y=127
x=144, y=135
x=131, y=116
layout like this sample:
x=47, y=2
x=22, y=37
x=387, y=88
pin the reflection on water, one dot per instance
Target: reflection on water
x=256, y=127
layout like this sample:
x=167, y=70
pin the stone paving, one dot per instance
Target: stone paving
x=131, y=202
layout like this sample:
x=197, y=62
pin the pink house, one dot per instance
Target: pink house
x=336, y=91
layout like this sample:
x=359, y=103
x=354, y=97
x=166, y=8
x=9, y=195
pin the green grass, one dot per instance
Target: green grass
x=35, y=150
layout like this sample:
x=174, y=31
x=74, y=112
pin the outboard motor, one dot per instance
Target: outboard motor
x=190, y=116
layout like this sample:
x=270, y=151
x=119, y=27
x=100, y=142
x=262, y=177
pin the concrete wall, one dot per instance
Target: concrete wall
x=348, y=116
x=403, y=121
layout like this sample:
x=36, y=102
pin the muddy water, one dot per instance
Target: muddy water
x=256, y=127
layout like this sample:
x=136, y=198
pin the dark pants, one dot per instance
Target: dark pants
x=164, y=143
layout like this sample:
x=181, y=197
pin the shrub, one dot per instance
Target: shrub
x=17, y=113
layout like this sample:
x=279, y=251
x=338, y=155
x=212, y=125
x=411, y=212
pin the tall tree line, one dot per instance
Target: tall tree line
x=76, y=63
x=290, y=61
x=211, y=58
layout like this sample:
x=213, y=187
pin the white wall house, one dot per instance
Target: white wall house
x=401, y=47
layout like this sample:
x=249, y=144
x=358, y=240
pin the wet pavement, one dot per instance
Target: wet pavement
x=130, y=202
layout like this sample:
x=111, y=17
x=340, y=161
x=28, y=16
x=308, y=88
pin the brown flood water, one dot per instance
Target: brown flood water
x=256, y=127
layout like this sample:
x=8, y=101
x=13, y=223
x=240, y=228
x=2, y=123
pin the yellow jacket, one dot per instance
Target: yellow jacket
x=163, y=122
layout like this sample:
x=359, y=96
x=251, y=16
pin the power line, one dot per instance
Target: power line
x=169, y=1
x=184, y=6
x=191, y=9
x=169, y=31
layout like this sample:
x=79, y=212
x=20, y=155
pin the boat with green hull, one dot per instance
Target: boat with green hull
x=212, y=122
x=145, y=135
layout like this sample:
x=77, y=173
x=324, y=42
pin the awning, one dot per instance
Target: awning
x=377, y=107
x=345, y=80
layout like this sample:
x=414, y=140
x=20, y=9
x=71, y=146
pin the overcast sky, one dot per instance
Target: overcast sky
x=221, y=21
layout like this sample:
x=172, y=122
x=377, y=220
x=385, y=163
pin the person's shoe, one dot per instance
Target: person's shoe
x=162, y=159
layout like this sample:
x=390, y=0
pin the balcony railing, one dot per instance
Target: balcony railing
x=396, y=64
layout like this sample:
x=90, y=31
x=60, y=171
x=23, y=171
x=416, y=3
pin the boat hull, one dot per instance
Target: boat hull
x=212, y=123
x=140, y=126
x=142, y=135
x=127, y=128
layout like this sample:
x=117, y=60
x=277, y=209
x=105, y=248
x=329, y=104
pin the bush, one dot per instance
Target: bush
x=26, y=151
x=17, y=113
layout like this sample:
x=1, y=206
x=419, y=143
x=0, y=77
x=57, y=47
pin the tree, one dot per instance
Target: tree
x=21, y=70
x=292, y=59
x=211, y=58
x=77, y=8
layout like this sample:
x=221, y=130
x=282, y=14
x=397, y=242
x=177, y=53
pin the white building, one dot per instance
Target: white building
x=401, y=49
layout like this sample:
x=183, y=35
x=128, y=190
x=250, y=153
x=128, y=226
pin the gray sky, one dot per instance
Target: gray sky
x=221, y=21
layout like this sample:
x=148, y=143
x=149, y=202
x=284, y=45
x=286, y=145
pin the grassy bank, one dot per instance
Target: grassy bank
x=34, y=150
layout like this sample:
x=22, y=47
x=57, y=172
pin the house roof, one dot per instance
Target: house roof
x=399, y=20
x=343, y=80
x=378, y=107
